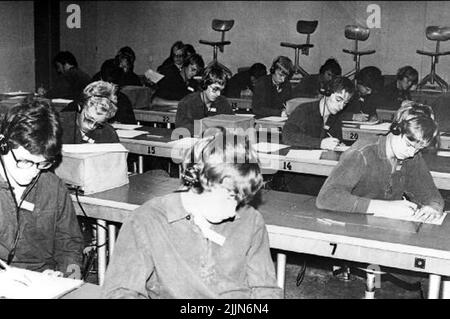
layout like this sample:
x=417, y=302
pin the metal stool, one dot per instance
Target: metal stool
x=303, y=27
x=438, y=34
x=356, y=33
x=220, y=26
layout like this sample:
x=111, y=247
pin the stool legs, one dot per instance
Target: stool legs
x=432, y=77
x=297, y=68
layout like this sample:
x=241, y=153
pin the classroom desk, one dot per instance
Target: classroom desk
x=385, y=115
x=85, y=291
x=158, y=114
x=293, y=225
x=239, y=103
x=156, y=143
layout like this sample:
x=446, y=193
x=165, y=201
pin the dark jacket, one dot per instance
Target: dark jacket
x=50, y=236
x=172, y=86
x=69, y=85
x=239, y=82
x=367, y=104
x=393, y=97
x=309, y=86
x=266, y=100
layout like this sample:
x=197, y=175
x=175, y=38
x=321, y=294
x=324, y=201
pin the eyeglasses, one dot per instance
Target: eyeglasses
x=416, y=146
x=216, y=89
x=23, y=163
x=90, y=121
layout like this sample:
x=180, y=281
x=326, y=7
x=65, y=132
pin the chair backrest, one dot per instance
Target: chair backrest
x=354, y=32
x=222, y=25
x=437, y=33
x=306, y=27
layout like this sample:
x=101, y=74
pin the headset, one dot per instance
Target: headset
x=213, y=74
x=278, y=64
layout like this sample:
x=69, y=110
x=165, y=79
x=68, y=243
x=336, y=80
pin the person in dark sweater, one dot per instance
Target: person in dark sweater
x=125, y=59
x=374, y=174
x=71, y=79
x=244, y=80
x=398, y=91
x=176, y=57
x=177, y=84
x=272, y=91
x=316, y=125
x=86, y=121
x=314, y=85
x=207, y=102
x=368, y=97
x=203, y=241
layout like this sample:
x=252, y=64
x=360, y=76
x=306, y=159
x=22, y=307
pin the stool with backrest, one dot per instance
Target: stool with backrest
x=303, y=27
x=356, y=33
x=438, y=34
x=220, y=26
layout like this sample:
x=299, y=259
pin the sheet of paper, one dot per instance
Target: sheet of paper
x=443, y=153
x=274, y=119
x=265, y=147
x=305, y=154
x=379, y=127
x=17, y=93
x=129, y=133
x=184, y=142
x=65, y=101
x=438, y=221
x=246, y=115
x=361, y=122
x=16, y=283
x=119, y=126
x=341, y=148
x=153, y=76
x=93, y=148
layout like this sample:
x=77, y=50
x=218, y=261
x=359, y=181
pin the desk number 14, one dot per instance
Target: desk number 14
x=287, y=166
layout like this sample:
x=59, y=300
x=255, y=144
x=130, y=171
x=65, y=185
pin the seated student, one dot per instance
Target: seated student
x=125, y=58
x=316, y=125
x=372, y=176
x=273, y=90
x=188, y=50
x=368, y=97
x=86, y=120
x=71, y=79
x=39, y=229
x=313, y=85
x=110, y=72
x=204, y=241
x=244, y=80
x=176, y=57
x=177, y=84
x=207, y=102
x=398, y=91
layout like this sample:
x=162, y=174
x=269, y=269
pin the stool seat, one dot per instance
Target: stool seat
x=296, y=46
x=222, y=25
x=354, y=32
x=433, y=53
x=359, y=52
x=213, y=43
x=306, y=27
x=436, y=33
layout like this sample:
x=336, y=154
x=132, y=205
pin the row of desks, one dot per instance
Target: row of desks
x=293, y=225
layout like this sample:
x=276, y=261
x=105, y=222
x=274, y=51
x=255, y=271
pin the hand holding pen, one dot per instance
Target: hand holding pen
x=329, y=143
x=360, y=117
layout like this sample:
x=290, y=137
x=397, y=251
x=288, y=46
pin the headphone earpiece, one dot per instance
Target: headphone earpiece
x=191, y=176
x=326, y=91
x=395, y=128
x=4, y=148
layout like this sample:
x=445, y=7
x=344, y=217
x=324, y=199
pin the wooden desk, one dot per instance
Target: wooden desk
x=385, y=115
x=86, y=291
x=292, y=223
x=158, y=114
x=238, y=103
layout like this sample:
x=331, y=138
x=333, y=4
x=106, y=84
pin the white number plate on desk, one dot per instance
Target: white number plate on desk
x=349, y=135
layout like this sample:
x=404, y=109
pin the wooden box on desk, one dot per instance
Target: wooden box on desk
x=233, y=123
x=94, y=171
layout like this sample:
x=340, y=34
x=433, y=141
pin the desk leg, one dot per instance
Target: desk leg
x=434, y=286
x=140, y=164
x=446, y=288
x=111, y=238
x=281, y=268
x=101, y=251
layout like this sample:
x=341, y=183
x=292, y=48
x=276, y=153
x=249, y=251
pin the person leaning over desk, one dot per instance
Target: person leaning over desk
x=374, y=174
x=207, y=102
x=316, y=125
x=39, y=229
x=204, y=241
x=85, y=121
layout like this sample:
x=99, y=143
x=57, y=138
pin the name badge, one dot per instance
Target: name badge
x=213, y=109
x=190, y=89
x=27, y=206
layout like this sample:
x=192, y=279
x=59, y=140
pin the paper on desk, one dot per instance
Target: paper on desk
x=129, y=133
x=65, y=101
x=443, y=153
x=361, y=122
x=305, y=154
x=274, y=119
x=34, y=285
x=341, y=148
x=184, y=142
x=153, y=76
x=265, y=147
x=437, y=221
x=119, y=126
x=93, y=148
x=246, y=115
x=379, y=127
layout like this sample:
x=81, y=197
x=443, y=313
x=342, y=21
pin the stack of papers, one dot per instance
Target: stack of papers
x=153, y=76
x=129, y=133
x=274, y=119
x=305, y=154
x=119, y=126
x=379, y=127
x=265, y=147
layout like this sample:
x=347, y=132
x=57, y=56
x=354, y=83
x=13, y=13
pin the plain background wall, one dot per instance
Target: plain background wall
x=150, y=28
x=16, y=46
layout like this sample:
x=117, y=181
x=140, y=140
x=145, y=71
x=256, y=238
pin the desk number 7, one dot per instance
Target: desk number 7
x=334, y=248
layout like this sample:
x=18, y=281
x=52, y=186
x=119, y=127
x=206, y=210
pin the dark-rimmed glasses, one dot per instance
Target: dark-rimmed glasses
x=23, y=163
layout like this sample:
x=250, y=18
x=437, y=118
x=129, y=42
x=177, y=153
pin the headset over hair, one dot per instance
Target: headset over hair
x=195, y=59
x=332, y=65
x=223, y=155
x=416, y=121
x=284, y=64
x=338, y=84
x=102, y=96
x=409, y=72
x=214, y=74
x=35, y=126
